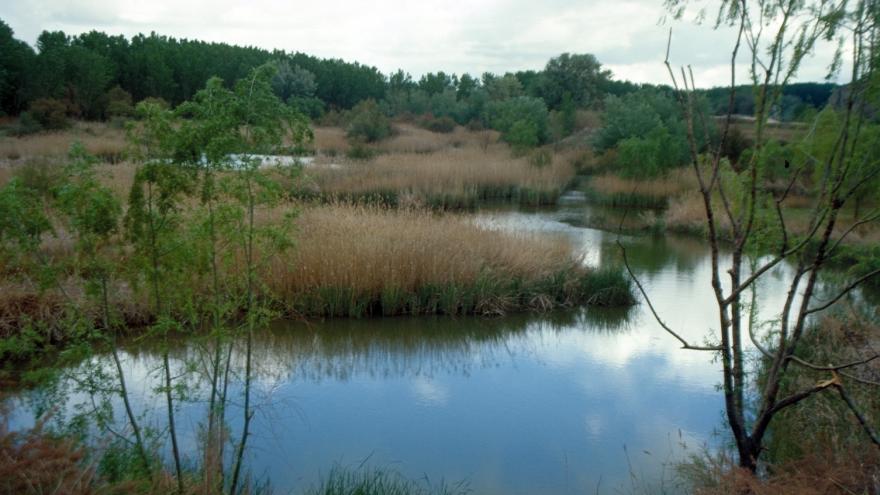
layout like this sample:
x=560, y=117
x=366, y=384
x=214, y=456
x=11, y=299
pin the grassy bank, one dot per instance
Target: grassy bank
x=818, y=447
x=349, y=261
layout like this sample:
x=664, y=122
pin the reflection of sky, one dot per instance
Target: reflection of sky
x=523, y=404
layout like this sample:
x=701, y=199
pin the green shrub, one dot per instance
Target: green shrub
x=437, y=124
x=50, y=113
x=118, y=103
x=521, y=120
x=368, y=123
x=27, y=124
x=360, y=151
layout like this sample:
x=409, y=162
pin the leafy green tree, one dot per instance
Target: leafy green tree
x=522, y=121
x=119, y=103
x=651, y=155
x=16, y=57
x=502, y=88
x=92, y=213
x=581, y=75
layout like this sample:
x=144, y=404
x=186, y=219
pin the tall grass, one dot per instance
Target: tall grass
x=369, y=260
x=448, y=178
x=613, y=190
x=376, y=481
x=357, y=260
x=106, y=143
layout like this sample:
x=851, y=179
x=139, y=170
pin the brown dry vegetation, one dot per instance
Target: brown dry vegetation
x=356, y=260
x=451, y=177
x=686, y=213
x=103, y=141
x=673, y=184
x=406, y=138
x=372, y=252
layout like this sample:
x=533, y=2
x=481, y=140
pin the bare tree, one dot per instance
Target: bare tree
x=777, y=35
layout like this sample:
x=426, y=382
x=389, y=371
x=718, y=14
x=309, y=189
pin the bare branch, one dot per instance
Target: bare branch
x=859, y=416
x=816, y=367
x=685, y=344
x=846, y=290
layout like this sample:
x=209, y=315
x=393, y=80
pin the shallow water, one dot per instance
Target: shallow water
x=569, y=402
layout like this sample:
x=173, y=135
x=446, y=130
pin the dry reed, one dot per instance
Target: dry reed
x=450, y=177
x=106, y=143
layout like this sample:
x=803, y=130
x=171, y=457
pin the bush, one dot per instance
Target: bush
x=522, y=135
x=368, y=123
x=437, y=124
x=118, y=103
x=521, y=120
x=27, y=124
x=651, y=155
x=50, y=113
x=157, y=101
x=360, y=151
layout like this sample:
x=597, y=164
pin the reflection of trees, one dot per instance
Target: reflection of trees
x=398, y=347
x=393, y=347
x=652, y=255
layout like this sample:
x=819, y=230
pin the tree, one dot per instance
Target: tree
x=15, y=59
x=368, y=123
x=740, y=200
x=293, y=82
x=581, y=75
x=521, y=120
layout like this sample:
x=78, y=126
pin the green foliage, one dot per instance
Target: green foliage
x=118, y=103
x=42, y=177
x=292, y=81
x=521, y=120
x=368, y=123
x=26, y=125
x=635, y=115
x=652, y=155
x=49, y=113
x=16, y=58
x=22, y=217
x=579, y=75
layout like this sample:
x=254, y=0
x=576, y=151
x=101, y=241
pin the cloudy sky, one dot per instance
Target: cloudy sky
x=419, y=36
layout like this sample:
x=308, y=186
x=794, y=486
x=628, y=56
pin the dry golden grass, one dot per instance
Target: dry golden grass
x=687, y=213
x=370, y=248
x=673, y=184
x=453, y=175
x=100, y=140
x=330, y=140
x=406, y=138
x=360, y=254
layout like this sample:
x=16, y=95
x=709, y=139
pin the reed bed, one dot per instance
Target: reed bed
x=406, y=138
x=448, y=178
x=354, y=261
x=106, y=143
x=613, y=190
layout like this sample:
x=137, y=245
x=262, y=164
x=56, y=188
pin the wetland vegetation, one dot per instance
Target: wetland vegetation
x=231, y=270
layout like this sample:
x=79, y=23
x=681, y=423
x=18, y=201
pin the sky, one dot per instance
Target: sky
x=627, y=36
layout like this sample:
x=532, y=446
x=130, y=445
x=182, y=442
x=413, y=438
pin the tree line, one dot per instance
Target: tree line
x=97, y=76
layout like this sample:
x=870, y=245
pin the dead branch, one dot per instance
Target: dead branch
x=685, y=344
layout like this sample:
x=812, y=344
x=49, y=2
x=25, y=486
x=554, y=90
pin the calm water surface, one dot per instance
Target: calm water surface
x=568, y=402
